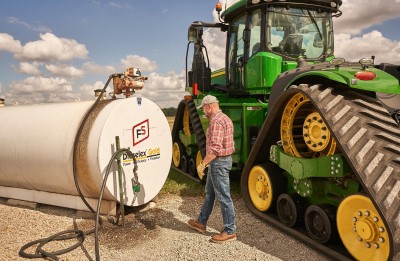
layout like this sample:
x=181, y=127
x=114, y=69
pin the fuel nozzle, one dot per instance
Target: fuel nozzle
x=129, y=81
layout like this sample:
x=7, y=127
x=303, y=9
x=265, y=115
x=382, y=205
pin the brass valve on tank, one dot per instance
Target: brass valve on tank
x=129, y=81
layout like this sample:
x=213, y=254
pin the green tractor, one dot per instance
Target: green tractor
x=317, y=138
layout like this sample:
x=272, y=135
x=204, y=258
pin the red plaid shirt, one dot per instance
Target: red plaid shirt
x=220, y=135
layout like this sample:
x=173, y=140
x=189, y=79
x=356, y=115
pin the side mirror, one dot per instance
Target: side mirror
x=318, y=42
x=194, y=34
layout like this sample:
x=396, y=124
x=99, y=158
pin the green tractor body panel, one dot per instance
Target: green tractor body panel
x=301, y=168
x=187, y=140
x=247, y=115
x=383, y=82
x=262, y=70
x=283, y=88
x=217, y=78
x=305, y=176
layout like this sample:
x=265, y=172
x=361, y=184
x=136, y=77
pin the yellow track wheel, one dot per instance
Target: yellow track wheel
x=186, y=122
x=362, y=230
x=261, y=186
x=177, y=152
x=315, y=133
x=303, y=132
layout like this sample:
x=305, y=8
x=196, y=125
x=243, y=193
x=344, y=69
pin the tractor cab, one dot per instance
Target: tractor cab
x=271, y=38
x=264, y=39
x=298, y=32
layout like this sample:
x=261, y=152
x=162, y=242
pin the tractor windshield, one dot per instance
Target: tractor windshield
x=297, y=32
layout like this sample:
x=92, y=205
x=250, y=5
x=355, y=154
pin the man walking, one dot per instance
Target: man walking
x=219, y=147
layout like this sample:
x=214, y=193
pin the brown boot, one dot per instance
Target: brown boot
x=223, y=237
x=197, y=226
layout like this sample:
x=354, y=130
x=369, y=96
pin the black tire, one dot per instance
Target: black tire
x=185, y=163
x=192, y=167
x=320, y=223
x=290, y=209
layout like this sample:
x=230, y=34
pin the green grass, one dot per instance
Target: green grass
x=181, y=185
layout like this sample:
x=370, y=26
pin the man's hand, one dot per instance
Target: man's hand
x=200, y=168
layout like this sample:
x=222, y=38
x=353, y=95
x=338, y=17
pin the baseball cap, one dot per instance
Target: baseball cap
x=207, y=100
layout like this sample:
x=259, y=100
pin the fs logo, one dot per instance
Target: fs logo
x=140, y=132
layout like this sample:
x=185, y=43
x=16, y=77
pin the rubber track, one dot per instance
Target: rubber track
x=370, y=140
x=368, y=137
x=196, y=126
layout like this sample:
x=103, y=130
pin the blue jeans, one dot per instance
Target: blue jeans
x=217, y=186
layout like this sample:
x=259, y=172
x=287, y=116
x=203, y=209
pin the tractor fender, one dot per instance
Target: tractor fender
x=286, y=79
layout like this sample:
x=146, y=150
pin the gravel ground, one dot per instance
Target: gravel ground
x=158, y=233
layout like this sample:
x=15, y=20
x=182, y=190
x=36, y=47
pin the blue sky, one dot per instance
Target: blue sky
x=56, y=51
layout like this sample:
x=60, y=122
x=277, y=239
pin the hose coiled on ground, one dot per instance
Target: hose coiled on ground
x=79, y=234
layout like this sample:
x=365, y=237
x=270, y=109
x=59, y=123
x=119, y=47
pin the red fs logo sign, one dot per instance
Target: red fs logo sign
x=140, y=132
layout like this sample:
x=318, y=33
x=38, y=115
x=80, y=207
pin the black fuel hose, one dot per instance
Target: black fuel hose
x=76, y=142
x=115, y=155
x=64, y=235
x=76, y=233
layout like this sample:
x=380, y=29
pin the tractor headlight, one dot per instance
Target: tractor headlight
x=337, y=61
x=366, y=62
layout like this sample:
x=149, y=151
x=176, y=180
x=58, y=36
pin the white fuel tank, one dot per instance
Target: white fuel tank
x=37, y=146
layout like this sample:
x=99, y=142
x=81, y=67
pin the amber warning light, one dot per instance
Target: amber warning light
x=218, y=7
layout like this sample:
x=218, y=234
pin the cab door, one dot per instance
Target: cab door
x=244, y=42
x=236, y=59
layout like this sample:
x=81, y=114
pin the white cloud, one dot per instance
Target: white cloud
x=215, y=41
x=114, y=4
x=165, y=90
x=39, y=28
x=29, y=68
x=373, y=43
x=92, y=67
x=1, y=95
x=52, y=48
x=9, y=44
x=362, y=14
x=138, y=61
x=86, y=91
x=120, y=6
x=62, y=70
x=359, y=15
x=40, y=90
